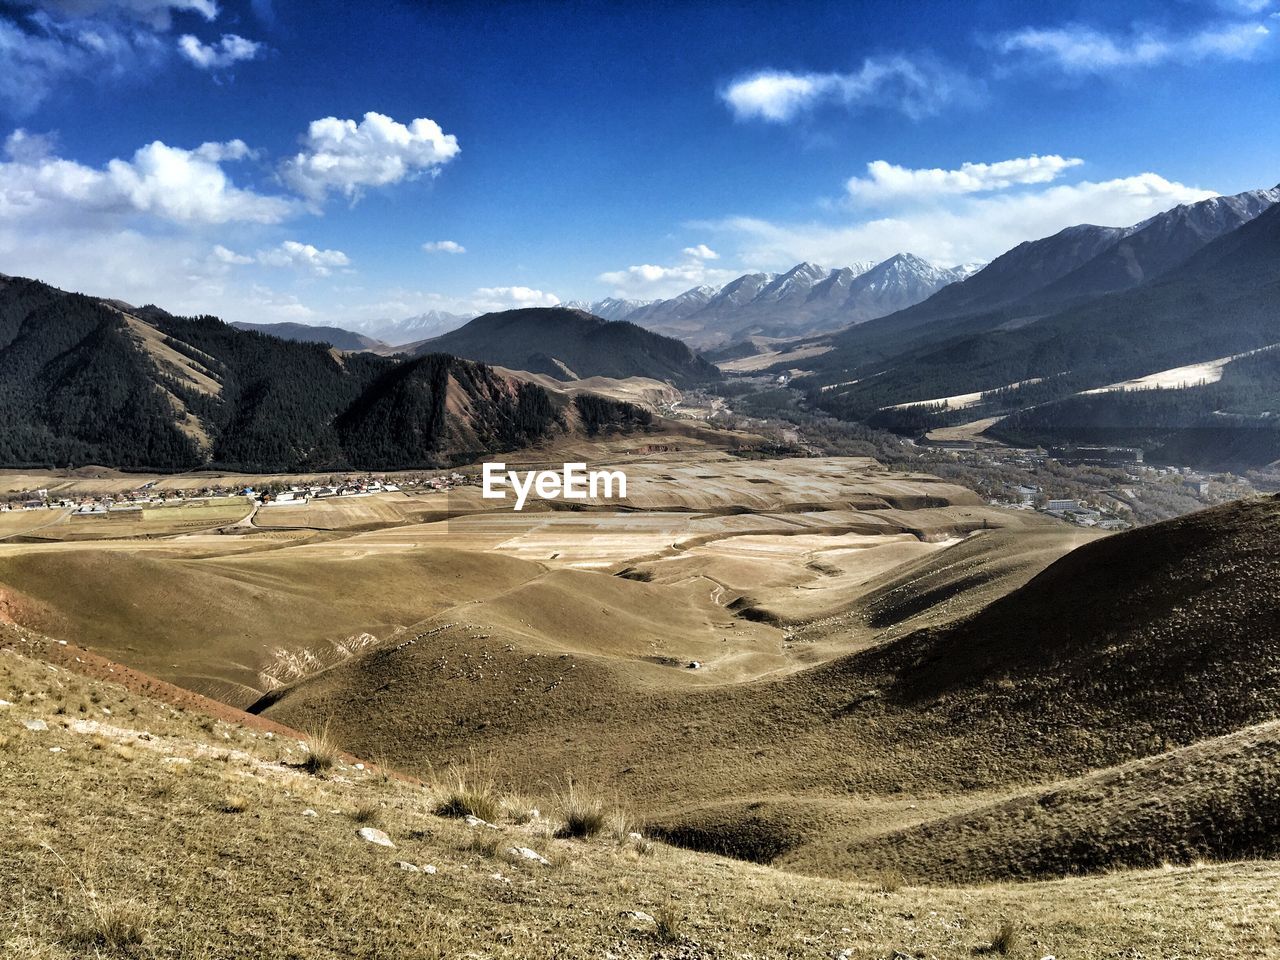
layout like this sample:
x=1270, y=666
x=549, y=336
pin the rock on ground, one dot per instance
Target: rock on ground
x=374, y=835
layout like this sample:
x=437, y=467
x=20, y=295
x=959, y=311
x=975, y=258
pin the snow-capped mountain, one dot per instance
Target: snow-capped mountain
x=1157, y=244
x=661, y=312
x=901, y=281
x=610, y=308
x=411, y=329
x=805, y=299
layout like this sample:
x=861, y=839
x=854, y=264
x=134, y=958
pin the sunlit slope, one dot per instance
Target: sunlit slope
x=233, y=626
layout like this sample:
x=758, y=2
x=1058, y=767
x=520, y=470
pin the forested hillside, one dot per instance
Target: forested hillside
x=83, y=382
x=307, y=333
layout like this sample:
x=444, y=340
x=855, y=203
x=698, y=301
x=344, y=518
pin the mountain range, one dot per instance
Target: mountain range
x=803, y=300
x=1085, y=309
x=421, y=326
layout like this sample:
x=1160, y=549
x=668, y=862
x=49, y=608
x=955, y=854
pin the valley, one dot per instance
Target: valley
x=622, y=481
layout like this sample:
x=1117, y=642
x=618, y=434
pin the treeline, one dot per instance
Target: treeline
x=601, y=414
x=1235, y=421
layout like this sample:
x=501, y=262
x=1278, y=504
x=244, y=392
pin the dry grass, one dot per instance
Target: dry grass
x=582, y=811
x=519, y=809
x=469, y=790
x=888, y=881
x=668, y=923
x=1003, y=941
x=368, y=813
x=322, y=750
x=216, y=899
x=122, y=926
x=118, y=924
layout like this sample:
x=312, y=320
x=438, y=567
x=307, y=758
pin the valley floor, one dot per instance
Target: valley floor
x=922, y=726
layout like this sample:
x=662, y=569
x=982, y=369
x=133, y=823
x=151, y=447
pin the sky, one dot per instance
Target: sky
x=336, y=162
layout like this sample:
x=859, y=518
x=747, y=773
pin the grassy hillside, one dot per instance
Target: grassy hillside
x=1128, y=647
x=209, y=839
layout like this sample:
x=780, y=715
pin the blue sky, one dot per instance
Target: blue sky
x=289, y=161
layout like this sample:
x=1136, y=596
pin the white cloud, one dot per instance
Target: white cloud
x=444, y=246
x=888, y=181
x=648, y=281
x=489, y=299
x=345, y=157
x=918, y=88
x=701, y=252
x=38, y=55
x=231, y=49
x=221, y=254
x=958, y=229
x=169, y=183
x=175, y=272
x=303, y=256
x=1080, y=49
x=46, y=43
x=157, y=14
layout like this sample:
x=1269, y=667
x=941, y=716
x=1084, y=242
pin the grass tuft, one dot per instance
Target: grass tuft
x=668, y=924
x=583, y=813
x=889, y=881
x=469, y=793
x=123, y=926
x=367, y=813
x=322, y=751
x=1004, y=940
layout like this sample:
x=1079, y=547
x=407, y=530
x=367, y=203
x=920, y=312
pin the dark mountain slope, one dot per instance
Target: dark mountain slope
x=1158, y=245
x=82, y=381
x=570, y=343
x=73, y=388
x=1026, y=268
x=305, y=333
x=437, y=405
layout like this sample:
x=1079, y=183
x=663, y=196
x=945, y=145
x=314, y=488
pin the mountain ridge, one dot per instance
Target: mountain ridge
x=805, y=299
x=571, y=344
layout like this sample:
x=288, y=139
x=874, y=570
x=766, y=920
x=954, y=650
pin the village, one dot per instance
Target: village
x=268, y=494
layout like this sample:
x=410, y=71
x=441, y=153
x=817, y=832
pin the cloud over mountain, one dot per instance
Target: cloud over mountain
x=888, y=180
